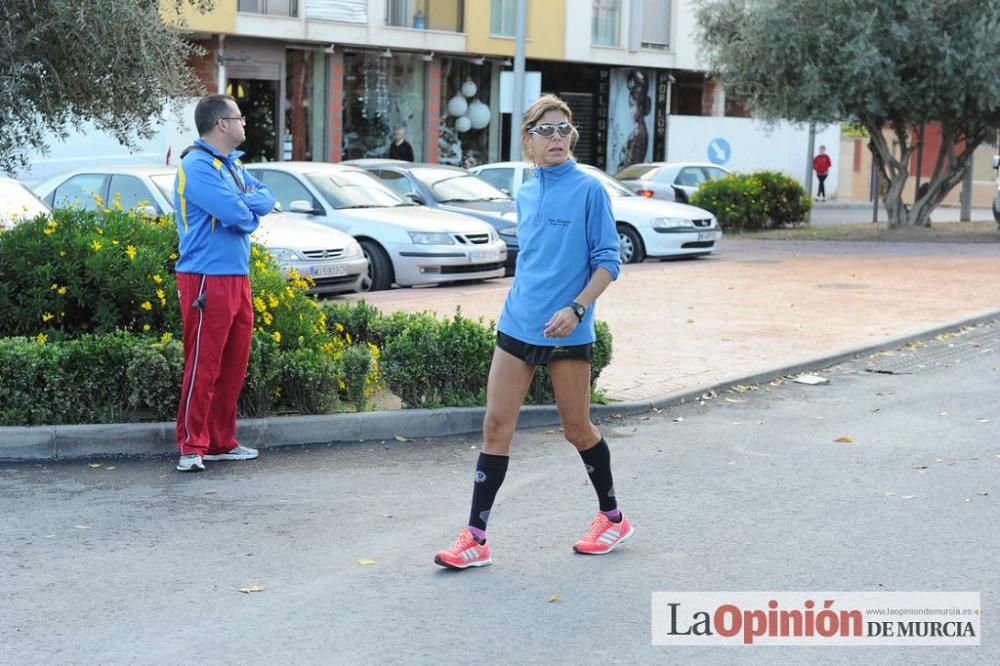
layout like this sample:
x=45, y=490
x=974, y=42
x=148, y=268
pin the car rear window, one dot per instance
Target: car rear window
x=636, y=172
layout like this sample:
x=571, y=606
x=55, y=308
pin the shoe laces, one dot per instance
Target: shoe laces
x=464, y=541
x=597, y=527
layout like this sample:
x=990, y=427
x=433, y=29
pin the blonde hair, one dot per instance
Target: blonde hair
x=534, y=113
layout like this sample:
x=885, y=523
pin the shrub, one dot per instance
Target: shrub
x=80, y=272
x=263, y=382
x=754, y=201
x=541, y=393
x=153, y=377
x=310, y=381
x=433, y=363
x=357, y=367
x=360, y=322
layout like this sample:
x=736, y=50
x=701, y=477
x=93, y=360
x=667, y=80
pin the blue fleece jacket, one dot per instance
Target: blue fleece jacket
x=215, y=215
x=566, y=231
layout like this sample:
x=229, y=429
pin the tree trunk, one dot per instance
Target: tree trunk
x=893, y=171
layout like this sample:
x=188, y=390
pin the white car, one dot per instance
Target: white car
x=333, y=260
x=406, y=244
x=17, y=203
x=646, y=227
x=670, y=181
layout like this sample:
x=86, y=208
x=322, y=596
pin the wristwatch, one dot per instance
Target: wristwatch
x=578, y=310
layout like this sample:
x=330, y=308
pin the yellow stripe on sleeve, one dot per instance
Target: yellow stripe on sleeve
x=181, y=185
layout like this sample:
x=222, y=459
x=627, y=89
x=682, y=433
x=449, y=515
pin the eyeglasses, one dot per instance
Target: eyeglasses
x=548, y=130
x=242, y=119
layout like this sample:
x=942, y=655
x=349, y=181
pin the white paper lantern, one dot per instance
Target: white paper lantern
x=457, y=106
x=469, y=88
x=479, y=114
x=463, y=124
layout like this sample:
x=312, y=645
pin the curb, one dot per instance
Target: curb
x=65, y=442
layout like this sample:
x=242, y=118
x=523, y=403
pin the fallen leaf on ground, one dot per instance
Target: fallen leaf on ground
x=983, y=493
x=920, y=467
x=846, y=439
x=252, y=588
x=679, y=419
x=942, y=413
x=112, y=467
x=907, y=496
x=211, y=492
x=387, y=515
x=554, y=598
x=366, y=563
x=983, y=420
x=690, y=321
x=95, y=465
x=82, y=527
x=890, y=494
x=711, y=395
x=550, y=432
x=736, y=400
x=400, y=438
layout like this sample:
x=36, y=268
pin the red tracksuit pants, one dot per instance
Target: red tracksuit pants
x=217, y=312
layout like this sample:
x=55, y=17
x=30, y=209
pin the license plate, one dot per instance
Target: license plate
x=332, y=270
x=484, y=255
x=706, y=235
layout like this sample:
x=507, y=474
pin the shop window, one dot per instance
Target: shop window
x=466, y=114
x=380, y=95
x=304, y=101
x=656, y=24
x=605, y=26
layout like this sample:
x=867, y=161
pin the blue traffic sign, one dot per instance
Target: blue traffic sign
x=719, y=151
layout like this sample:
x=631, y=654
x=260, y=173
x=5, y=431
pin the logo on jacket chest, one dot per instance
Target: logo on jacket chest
x=559, y=221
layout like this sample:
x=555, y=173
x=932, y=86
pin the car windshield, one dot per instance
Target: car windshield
x=637, y=172
x=613, y=187
x=165, y=184
x=448, y=186
x=17, y=201
x=354, y=189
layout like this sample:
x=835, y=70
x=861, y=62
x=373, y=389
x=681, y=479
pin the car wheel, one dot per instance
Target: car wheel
x=680, y=196
x=630, y=245
x=379, y=275
x=996, y=207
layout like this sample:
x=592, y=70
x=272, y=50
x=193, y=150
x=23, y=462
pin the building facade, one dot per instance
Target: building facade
x=331, y=79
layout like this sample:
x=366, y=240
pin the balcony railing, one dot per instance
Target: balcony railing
x=269, y=7
x=426, y=14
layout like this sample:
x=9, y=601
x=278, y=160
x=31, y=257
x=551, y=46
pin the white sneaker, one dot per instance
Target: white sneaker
x=239, y=453
x=190, y=463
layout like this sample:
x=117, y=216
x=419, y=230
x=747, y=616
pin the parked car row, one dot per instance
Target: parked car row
x=373, y=223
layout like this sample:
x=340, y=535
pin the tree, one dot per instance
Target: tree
x=885, y=64
x=115, y=63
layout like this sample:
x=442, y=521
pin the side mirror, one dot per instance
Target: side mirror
x=277, y=207
x=996, y=161
x=301, y=206
x=415, y=198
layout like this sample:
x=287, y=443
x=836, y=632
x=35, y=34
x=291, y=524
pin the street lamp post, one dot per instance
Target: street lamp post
x=517, y=105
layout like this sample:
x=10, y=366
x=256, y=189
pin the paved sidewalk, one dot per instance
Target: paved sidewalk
x=754, y=310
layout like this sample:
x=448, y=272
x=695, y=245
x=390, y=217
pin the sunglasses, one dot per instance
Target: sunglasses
x=548, y=130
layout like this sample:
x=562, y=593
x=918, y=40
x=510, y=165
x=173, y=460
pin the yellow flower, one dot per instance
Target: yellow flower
x=147, y=306
x=166, y=337
x=130, y=251
x=160, y=294
x=114, y=242
x=96, y=244
x=50, y=227
x=157, y=279
x=61, y=291
x=173, y=256
x=62, y=253
x=99, y=200
x=272, y=301
x=54, y=286
x=259, y=265
x=258, y=304
x=41, y=338
x=277, y=336
x=47, y=316
x=145, y=327
x=268, y=319
x=339, y=327
x=101, y=231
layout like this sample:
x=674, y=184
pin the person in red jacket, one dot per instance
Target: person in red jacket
x=821, y=165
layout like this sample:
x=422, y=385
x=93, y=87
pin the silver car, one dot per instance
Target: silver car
x=333, y=260
x=405, y=244
x=671, y=181
x=17, y=203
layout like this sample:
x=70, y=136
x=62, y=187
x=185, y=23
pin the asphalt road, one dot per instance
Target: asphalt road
x=124, y=561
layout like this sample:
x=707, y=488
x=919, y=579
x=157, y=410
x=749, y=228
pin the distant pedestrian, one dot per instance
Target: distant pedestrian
x=218, y=206
x=569, y=256
x=821, y=165
x=400, y=149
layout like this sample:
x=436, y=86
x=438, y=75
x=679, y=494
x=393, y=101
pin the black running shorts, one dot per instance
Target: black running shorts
x=543, y=355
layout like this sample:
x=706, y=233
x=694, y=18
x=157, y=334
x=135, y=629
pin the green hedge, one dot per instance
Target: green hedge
x=754, y=201
x=90, y=330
